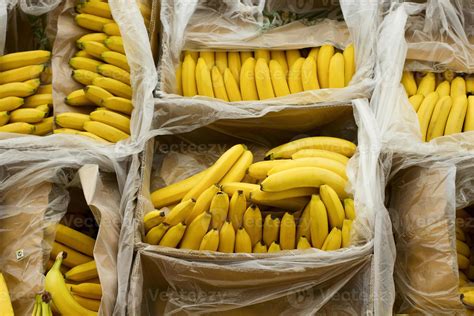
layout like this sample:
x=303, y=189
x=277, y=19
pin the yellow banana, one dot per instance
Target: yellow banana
x=425, y=111
x=88, y=303
x=334, y=206
x=427, y=84
x=325, y=163
x=295, y=76
x=6, y=307
x=88, y=290
x=179, y=79
x=468, y=122
x=196, y=231
x=209, y=59
x=263, y=80
x=303, y=243
x=179, y=213
x=274, y=247
x=37, y=100
x=221, y=61
x=54, y=283
x=290, y=204
x=231, y=87
x=443, y=89
x=239, y=169
x=189, y=77
x=96, y=94
x=118, y=104
x=319, y=221
x=96, y=8
x=44, y=127
x=346, y=233
x=113, y=119
x=415, y=101
x=463, y=248
x=244, y=56
x=449, y=75
x=468, y=298
x=252, y=222
x=248, y=86
x=10, y=103
x=349, y=209
x=84, y=63
x=237, y=208
x=259, y=170
x=456, y=115
x=116, y=59
x=94, y=49
x=227, y=238
x=203, y=203
x=409, y=83
x=219, y=209
x=45, y=89
x=333, y=240
x=111, y=29
x=234, y=65
x=278, y=76
x=105, y=131
x=336, y=71
x=82, y=53
x=26, y=116
x=309, y=76
x=78, y=98
x=271, y=230
x=74, y=239
x=22, y=59
x=463, y=262
x=173, y=236
x=72, y=120
x=84, y=77
x=154, y=235
x=94, y=37
x=280, y=57
x=92, y=22
x=259, y=248
x=243, y=243
x=349, y=64
x=152, y=219
x=114, y=72
x=266, y=198
x=20, y=128
x=458, y=87
x=314, y=53
x=203, y=79
x=194, y=55
x=287, y=232
x=246, y=188
x=325, y=54
x=4, y=118
x=218, y=84
x=115, y=43
x=210, y=241
x=21, y=74
x=292, y=56
x=333, y=144
x=439, y=118
x=113, y=86
x=16, y=89
x=33, y=83
x=303, y=228
x=262, y=53
x=73, y=258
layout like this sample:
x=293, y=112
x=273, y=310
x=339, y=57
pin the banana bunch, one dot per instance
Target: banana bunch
x=443, y=102
x=102, y=67
x=72, y=255
x=6, y=307
x=263, y=74
x=293, y=200
x=25, y=104
x=43, y=305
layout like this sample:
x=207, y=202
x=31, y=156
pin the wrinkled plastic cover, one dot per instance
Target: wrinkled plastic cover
x=251, y=282
x=404, y=34
x=38, y=7
x=233, y=25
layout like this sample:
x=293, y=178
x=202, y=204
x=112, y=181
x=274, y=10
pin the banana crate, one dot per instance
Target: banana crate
x=230, y=247
x=252, y=55
x=431, y=207
x=59, y=238
x=424, y=98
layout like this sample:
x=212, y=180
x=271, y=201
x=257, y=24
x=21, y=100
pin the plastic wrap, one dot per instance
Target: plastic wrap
x=250, y=282
x=38, y=7
x=197, y=25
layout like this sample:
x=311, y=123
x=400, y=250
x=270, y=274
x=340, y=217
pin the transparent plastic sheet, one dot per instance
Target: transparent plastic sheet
x=100, y=190
x=150, y=274
x=231, y=25
x=38, y=7
x=426, y=40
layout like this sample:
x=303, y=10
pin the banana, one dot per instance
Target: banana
x=118, y=104
x=44, y=127
x=439, y=118
x=189, y=77
x=333, y=240
x=319, y=221
x=96, y=94
x=468, y=298
x=304, y=177
x=74, y=239
x=271, y=230
x=444, y=89
x=234, y=65
x=115, y=43
x=92, y=22
x=96, y=8
x=458, y=87
x=116, y=59
x=45, y=89
x=333, y=204
x=470, y=84
x=292, y=56
x=336, y=71
x=456, y=115
x=218, y=84
x=460, y=234
x=66, y=131
x=252, y=222
x=78, y=98
x=91, y=37
x=37, y=100
x=35, y=309
x=87, y=290
x=6, y=307
x=427, y=84
x=468, y=122
x=203, y=203
x=248, y=86
x=463, y=248
x=290, y=204
x=325, y=54
x=333, y=144
x=179, y=79
x=94, y=49
x=113, y=119
x=239, y=169
x=244, y=56
x=26, y=116
x=449, y=75
x=232, y=87
x=10, y=103
x=237, y=208
x=152, y=219
x=4, y=118
x=111, y=29
x=218, y=170
x=278, y=76
x=259, y=170
x=350, y=65
x=203, y=79
x=463, y=262
x=314, y=53
x=33, y=83
x=84, y=77
x=346, y=233
x=295, y=76
x=263, y=80
x=266, y=198
x=243, y=243
x=84, y=63
x=219, y=209
x=349, y=209
x=303, y=228
x=173, y=236
x=309, y=77
x=425, y=111
x=54, y=283
x=303, y=243
x=280, y=57
x=22, y=59
x=210, y=241
x=113, y=86
x=227, y=238
x=73, y=258
x=409, y=83
x=246, y=188
x=415, y=101
x=16, y=89
x=196, y=231
x=262, y=53
x=72, y=120
x=221, y=61
x=88, y=303
x=194, y=55
x=20, y=128
x=154, y=236
x=325, y=163
x=105, y=131
x=82, y=53
x=21, y=74
x=287, y=232
x=259, y=248
x=274, y=247
x=209, y=59
x=179, y=213
x=114, y=72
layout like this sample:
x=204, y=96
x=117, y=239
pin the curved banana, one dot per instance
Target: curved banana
x=152, y=219
x=274, y=247
x=21, y=74
x=469, y=121
x=259, y=248
x=72, y=120
x=209, y=58
x=337, y=145
x=246, y=188
x=155, y=234
x=113, y=72
x=334, y=206
x=4, y=118
x=22, y=59
x=95, y=49
x=96, y=8
x=116, y=59
x=336, y=71
x=324, y=59
x=219, y=209
x=44, y=127
x=84, y=63
x=415, y=101
x=349, y=209
x=118, y=104
x=239, y=169
x=237, y=208
x=427, y=84
x=113, y=119
x=82, y=272
x=294, y=76
x=458, y=87
x=309, y=77
x=280, y=57
x=456, y=116
x=10, y=103
x=234, y=65
x=173, y=236
x=203, y=79
x=248, y=86
x=243, y=243
x=115, y=87
x=115, y=43
x=6, y=307
x=319, y=222
x=287, y=232
x=346, y=233
x=271, y=230
x=259, y=170
x=425, y=112
x=303, y=228
x=111, y=29
x=252, y=222
x=265, y=198
x=292, y=56
x=16, y=89
x=26, y=115
x=278, y=76
x=262, y=53
x=74, y=239
x=303, y=243
x=444, y=89
x=325, y=163
x=196, y=231
x=227, y=238
x=96, y=94
x=333, y=241
x=95, y=37
x=179, y=213
x=20, y=128
x=210, y=241
x=221, y=61
x=263, y=80
x=92, y=22
x=349, y=64
x=218, y=84
x=203, y=203
x=84, y=77
x=439, y=118
x=463, y=262
x=232, y=87
x=78, y=98
x=105, y=131
x=88, y=290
